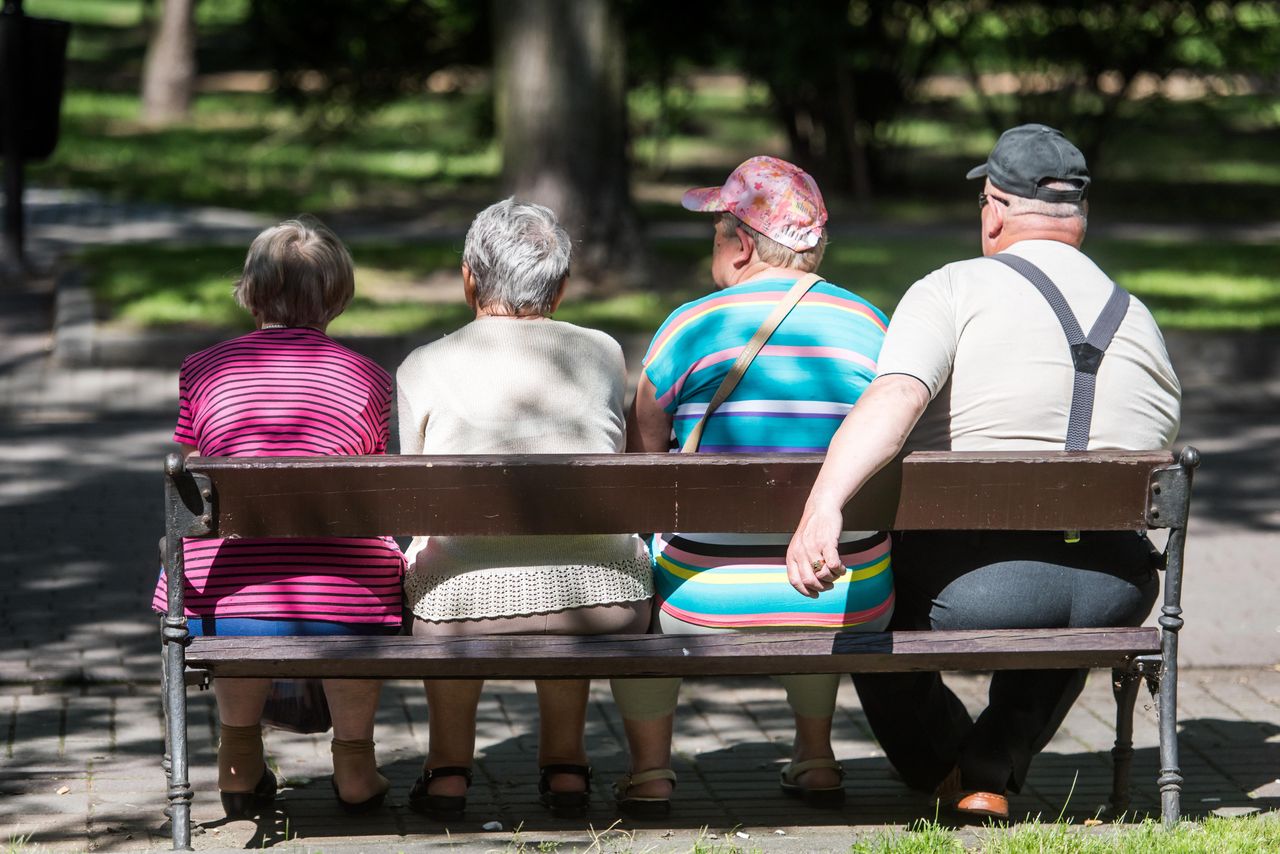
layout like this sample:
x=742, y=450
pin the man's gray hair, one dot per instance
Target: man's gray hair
x=1021, y=206
x=771, y=251
x=518, y=254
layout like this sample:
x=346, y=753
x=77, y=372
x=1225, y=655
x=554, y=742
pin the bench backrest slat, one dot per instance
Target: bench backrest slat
x=597, y=494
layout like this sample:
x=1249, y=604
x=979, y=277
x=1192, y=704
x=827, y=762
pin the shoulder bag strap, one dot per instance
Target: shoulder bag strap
x=730, y=381
x=1086, y=350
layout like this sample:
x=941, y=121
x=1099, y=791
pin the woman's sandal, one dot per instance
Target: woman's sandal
x=639, y=806
x=439, y=807
x=821, y=796
x=564, y=804
x=245, y=804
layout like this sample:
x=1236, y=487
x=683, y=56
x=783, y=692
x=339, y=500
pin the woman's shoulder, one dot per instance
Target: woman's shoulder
x=585, y=334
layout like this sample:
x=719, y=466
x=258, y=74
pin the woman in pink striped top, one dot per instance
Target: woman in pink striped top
x=287, y=389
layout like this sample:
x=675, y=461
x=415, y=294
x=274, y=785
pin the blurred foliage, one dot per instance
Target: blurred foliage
x=335, y=60
x=836, y=72
x=840, y=73
x=1076, y=62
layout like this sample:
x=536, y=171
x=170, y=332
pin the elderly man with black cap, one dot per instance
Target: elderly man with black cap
x=1031, y=347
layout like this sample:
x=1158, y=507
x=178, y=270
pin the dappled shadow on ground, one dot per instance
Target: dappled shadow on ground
x=1238, y=434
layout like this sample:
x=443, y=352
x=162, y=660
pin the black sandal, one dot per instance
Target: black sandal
x=564, y=804
x=245, y=804
x=439, y=807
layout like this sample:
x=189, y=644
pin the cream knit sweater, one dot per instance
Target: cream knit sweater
x=504, y=385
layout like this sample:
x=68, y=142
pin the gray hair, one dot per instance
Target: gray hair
x=518, y=254
x=1021, y=206
x=771, y=251
x=297, y=273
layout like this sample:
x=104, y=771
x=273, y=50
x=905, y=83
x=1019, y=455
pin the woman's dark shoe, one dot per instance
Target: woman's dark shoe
x=368, y=805
x=819, y=796
x=564, y=804
x=439, y=807
x=638, y=806
x=245, y=804
x=355, y=756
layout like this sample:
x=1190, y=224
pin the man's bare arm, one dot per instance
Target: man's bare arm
x=872, y=434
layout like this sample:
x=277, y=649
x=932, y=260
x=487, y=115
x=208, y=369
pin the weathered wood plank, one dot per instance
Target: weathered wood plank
x=618, y=493
x=601, y=656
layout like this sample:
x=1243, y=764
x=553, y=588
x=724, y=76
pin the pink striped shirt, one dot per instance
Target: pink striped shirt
x=281, y=393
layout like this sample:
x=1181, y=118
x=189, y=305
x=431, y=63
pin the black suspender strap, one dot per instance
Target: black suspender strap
x=1086, y=351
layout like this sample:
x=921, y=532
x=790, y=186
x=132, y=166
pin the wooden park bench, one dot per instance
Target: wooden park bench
x=598, y=494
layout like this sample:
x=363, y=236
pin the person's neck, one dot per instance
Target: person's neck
x=482, y=312
x=273, y=325
x=760, y=271
x=1071, y=236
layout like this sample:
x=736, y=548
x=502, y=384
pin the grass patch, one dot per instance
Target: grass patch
x=413, y=287
x=245, y=151
x=1214, y=835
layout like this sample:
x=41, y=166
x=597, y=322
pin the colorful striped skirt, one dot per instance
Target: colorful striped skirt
x=740, y=581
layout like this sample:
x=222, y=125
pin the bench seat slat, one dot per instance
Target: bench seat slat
x=600, y=656
x=620, y=493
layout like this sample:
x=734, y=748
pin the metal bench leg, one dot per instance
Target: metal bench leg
x=1170, y=780
x=175, y=635
x=176, y=735
x=1171, y=506
x=1124, y=684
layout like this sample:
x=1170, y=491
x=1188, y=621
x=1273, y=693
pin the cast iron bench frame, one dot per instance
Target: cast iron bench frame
x=621, y=493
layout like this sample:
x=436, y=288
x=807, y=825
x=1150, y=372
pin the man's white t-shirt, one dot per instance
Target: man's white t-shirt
x=990, y=350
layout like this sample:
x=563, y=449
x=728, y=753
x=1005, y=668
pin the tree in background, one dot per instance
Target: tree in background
x=838, y=72
x=560, y=91
x=169, y=70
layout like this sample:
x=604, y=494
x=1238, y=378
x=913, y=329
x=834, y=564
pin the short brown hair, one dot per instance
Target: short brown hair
x=297, y=273
x=771, y=251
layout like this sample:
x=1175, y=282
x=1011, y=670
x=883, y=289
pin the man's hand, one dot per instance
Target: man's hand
x=813, y=558
x=872, y=433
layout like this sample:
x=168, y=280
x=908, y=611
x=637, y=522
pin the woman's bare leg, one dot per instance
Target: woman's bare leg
x=352, y=705
x=451, y=729
x=240, y=759
x=562, y=718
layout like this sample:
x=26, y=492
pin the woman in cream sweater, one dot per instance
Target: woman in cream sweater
x=514, y=381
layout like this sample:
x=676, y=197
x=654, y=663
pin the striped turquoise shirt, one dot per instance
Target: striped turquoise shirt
x=790, y=400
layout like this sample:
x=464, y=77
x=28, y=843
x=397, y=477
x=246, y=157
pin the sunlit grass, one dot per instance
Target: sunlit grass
x=409, y=287
x=1214, y=835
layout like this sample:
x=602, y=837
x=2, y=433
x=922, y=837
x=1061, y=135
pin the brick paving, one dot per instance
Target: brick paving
x=80, y=725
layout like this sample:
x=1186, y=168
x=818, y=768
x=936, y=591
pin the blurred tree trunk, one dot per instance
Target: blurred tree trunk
x=562, y=120
x=169, y=71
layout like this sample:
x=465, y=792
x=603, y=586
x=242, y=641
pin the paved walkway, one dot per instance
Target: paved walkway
x=80, y=730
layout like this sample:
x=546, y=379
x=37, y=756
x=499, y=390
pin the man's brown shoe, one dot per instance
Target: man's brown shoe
x=983, y=804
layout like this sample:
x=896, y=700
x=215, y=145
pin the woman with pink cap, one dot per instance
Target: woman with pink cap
x=702, y=385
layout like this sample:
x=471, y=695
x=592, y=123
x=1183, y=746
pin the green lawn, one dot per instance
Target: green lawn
x=1212, y=836
x=409, y=288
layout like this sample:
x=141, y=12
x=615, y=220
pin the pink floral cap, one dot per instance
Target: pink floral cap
x=776, y=198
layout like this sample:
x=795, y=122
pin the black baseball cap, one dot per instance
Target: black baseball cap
x=1028, y=155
